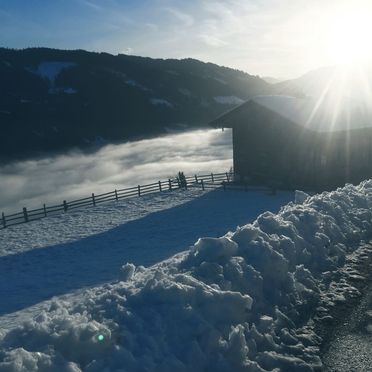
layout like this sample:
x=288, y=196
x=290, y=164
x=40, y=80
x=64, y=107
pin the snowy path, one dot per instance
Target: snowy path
x=58, y=255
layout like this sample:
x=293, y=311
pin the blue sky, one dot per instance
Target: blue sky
x=266, y=37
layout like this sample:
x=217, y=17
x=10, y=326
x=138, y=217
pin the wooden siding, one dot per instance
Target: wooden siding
x=269, y=149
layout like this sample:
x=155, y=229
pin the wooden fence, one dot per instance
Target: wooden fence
x=206, y=181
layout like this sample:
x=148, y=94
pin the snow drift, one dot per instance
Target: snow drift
x=237, y=303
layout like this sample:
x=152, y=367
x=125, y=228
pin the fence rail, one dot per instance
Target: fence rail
x=204, y=181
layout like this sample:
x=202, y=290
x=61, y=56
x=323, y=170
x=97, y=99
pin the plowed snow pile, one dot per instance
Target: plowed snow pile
x=236, y=303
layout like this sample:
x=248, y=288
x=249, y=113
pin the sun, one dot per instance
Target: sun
x=349, y=36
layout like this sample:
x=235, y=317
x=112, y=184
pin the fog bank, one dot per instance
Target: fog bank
x=70, y=176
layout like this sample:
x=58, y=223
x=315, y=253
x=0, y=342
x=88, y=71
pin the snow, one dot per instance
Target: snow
x=161, y=102
x=228, y=100
x=51, y=69
x=300, y=197
x=172, y=72
x=240, y=302
x=59, y=254
x=318, y=113
x=224, y=82
x=135, y=84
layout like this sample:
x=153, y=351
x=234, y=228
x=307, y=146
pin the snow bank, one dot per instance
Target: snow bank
x=236, y=303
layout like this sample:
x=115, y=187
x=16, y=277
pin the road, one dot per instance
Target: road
x=350, y=346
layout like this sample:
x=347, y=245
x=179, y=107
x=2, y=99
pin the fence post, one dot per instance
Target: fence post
x=170, y=184
x=227, y=177
x=196, y=178
x=3, y=219
x=93, y=199
x=202, y=183
x=212, y=177
x=25, y=214
x=65, y=206
x=159, y=186
x=45, y=210
x=116, y=195
x=139, y=190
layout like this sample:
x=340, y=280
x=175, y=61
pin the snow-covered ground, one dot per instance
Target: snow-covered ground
x=241, y=302
x=86, y=247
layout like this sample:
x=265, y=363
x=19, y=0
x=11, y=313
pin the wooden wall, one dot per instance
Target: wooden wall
x=271, y=150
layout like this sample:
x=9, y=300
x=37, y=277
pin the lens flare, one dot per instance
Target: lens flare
x=100, y=337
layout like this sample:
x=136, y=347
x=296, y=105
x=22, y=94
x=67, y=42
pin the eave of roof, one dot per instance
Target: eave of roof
x=226, y=119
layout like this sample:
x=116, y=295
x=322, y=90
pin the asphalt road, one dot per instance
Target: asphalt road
x=350, y=346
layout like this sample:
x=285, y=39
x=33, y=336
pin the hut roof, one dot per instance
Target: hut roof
x=324, y=114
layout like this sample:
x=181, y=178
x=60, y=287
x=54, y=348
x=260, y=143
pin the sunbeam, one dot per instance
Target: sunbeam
x=320, y=100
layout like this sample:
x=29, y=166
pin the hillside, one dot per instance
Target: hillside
x=52, y=100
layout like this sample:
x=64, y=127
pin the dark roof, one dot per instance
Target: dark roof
x=319, y=116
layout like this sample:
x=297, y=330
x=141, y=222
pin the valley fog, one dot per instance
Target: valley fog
x=75, y=175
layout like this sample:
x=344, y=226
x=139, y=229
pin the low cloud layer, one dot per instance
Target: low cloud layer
x=66, y=177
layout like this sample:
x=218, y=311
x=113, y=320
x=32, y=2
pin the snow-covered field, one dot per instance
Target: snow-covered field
x=87, y=247
x=240, y=302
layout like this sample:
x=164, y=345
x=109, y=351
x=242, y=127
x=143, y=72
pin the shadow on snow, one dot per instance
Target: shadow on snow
x=39, y=274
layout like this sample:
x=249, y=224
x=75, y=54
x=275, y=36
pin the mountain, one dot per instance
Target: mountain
x=332, y=98
x=330, y=81
x=310, y=84
x=53, y=100
x=271, y=80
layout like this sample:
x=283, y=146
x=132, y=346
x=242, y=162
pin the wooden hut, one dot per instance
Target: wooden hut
x=290, y=142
